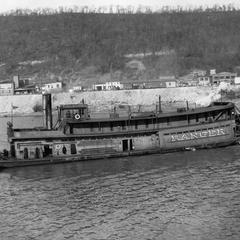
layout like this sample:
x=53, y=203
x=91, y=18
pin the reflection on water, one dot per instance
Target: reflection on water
x=189, y=195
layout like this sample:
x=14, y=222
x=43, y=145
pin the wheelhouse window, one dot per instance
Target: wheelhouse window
x=123, y=125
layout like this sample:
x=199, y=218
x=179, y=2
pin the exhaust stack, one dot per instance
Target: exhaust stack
x=47, y=110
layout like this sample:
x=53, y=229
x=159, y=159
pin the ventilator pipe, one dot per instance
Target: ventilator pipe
x=47, y=110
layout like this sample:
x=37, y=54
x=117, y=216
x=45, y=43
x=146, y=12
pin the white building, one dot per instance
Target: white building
x=113, y=85
x=77, y=88
x=237, y=80
x=168, y=81
x=6, y=89
x=226, y=77
x=55, y=86
x=99, y=87
x=108, y=86
x=213, y=71
x=204, y=81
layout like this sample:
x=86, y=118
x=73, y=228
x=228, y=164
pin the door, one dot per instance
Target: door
x=125, y=145
x=130, y=144
x=73, y=149
x=47, y=151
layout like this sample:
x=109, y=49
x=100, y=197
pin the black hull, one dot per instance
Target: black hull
x=11, y=162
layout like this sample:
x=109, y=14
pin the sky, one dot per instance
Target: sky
x=8, y=5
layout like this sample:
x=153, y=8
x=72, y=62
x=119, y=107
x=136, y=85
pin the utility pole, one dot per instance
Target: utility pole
x=159, y=102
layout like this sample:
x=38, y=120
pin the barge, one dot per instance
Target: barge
x=76, y=136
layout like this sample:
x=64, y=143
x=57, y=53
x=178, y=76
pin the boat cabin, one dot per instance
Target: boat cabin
x=73, y=111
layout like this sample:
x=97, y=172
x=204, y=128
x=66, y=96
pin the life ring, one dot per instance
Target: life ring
x=77, y=116
x=58, y=147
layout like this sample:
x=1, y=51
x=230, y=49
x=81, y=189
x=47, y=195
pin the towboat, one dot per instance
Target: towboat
x=76, y=136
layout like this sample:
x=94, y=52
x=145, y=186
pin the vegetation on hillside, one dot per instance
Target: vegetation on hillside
x=70, y=41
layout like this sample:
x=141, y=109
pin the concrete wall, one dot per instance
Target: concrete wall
x=106, y=100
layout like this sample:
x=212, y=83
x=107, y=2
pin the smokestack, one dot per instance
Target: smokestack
x=47, y=110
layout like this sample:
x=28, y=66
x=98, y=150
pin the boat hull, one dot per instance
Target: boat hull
x=12, y=162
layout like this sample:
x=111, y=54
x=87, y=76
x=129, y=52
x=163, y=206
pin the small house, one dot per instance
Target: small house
x=6, y=89
x=52, y=87
x=226, y=77
x=99, y=87
x=204, y=81
x=77, y=88
x=188, y=80
x=237, y=80
x=113, y=86
x=168, y=81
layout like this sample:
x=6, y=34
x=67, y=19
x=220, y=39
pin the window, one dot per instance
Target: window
x=197, y=119
x=123, y=126
x=73, y=149
x=64, y=150
x=91, y=127
x=206, y=116
x=146, y=123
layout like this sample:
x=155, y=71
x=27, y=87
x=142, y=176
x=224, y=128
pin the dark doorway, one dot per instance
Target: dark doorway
x=37, y=153
x=64, y=150
x=12, y=150
x=47, y=151
x=131, y=144
x=73, y=149
x=125, y=145
x=25, y=153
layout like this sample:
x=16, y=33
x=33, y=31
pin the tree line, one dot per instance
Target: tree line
x=201, y=38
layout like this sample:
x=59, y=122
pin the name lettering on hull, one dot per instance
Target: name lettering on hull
x=198, y=135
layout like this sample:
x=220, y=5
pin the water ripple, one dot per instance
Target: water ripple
x=192, y=195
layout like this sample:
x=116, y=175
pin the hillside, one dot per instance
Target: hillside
x=82, y=46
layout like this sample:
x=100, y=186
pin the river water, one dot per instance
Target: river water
x=186, y=195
